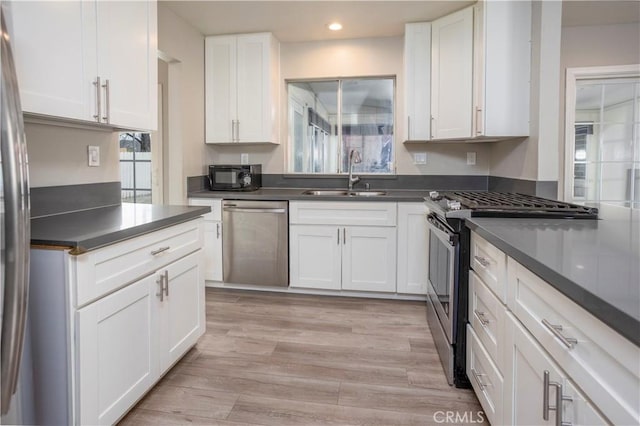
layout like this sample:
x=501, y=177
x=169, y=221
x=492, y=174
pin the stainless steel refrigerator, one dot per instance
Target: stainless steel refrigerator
x=14, y=236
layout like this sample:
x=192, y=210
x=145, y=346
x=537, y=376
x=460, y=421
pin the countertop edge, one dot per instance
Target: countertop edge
x=621, y=322
x=114, y=237
x=295, y=194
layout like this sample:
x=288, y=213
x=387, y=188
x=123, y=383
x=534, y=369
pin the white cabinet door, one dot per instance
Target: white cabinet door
x=55, y=55
x=220, y=88
x=502, y=33
x=526, y=390
x=213, y=251
x=117, y=347
x=182, y=316
x=254, y=97
x=369, y=258
x=127, y=62
x=315, y=256
x=413, y=248
x=451, y=75
x=417, y=69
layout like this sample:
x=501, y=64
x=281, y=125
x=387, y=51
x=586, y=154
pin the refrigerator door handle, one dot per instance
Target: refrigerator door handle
x=17, y=216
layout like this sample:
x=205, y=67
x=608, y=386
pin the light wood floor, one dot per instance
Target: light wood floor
x=283, y=359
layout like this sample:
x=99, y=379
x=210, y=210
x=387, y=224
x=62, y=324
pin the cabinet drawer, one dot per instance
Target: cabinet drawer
x=102, y=271
x=214, y=203
x=485, y=378
x=490, y=264
x=600, y=361
x=342, y=213
x=487, y=316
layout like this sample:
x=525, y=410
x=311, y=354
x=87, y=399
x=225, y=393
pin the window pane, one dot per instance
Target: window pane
x=367, y=124
x=313, y=110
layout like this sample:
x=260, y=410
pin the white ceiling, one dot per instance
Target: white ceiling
x=295, y=21
x=301, y=20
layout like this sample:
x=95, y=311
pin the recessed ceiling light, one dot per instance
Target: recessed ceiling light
x=335, y=26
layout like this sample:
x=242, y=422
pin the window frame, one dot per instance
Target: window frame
x=573, y=76
x=290, y=144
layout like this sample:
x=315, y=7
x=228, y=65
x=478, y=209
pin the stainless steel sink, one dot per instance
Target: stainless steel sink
x=325, y=192
x=339, y=193
x=367, y=193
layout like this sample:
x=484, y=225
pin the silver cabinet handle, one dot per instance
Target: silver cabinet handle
x=237, y=130
x=569, y=342
x=481, y=260
x=160, y=250
x=560, y=398
x=253, y=210
x=217, y=230
x=408, y=128
x=160, y=281
x=344, y=235
x=166, y=282
x=480, y=315
x=233, y=130
x=431, y=127
x=478, y=120
x=107, y=104
x=98, y=87
x=477, y=376
x=338, y=235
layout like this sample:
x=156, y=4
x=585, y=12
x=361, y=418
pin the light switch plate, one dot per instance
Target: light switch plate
x=471, y=158
x=93, y=156
x=244, y=158
x=420, y=158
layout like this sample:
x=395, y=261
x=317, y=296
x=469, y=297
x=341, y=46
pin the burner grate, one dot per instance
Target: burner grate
x=503, y=201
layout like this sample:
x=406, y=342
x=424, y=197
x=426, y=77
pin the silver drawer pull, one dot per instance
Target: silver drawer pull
x=569, y=342
x=160, y=281
x=166, y=282
x=477, y=376
x=160, y=250
x=481, y=260
x=560, y=398
x=480, y=315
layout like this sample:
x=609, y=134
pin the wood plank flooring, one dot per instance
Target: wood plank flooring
x=284, y=359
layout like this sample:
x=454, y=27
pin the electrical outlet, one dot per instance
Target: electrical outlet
x=244, y=158
x=420, y=158
x=471, y=158
x=93, y=156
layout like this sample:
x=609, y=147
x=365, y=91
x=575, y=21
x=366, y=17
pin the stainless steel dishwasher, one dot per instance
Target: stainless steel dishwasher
x=255, y=242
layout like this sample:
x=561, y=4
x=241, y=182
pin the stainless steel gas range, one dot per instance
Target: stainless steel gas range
x=449, y=244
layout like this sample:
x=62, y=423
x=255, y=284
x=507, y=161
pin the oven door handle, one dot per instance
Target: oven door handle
x=442, y=231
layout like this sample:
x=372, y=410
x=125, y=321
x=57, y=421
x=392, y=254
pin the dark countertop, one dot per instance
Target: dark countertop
x=277, y=194
x=91, y=229
x=595, y=263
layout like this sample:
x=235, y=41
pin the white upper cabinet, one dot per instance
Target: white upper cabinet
x=502, y=68
x=89, y=61
x=128, y=63
x=480, y=72
x=417, y=70
x=242, y=88
x=452, y=75
x=55, y=54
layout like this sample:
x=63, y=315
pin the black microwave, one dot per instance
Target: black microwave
x=234, y=177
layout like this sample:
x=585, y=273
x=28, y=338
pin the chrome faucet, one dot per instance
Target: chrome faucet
x=354, y=158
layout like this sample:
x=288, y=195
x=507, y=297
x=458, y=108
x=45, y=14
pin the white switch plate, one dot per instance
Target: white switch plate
x=244, y=158
x=93, y=156
x=420, y=158
x=471, y=158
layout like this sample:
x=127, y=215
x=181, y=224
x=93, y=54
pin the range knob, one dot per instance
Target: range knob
x=454, y=205
x=434, y=195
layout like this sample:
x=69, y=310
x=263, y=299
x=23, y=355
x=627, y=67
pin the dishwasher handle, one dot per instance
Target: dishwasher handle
x=253, y=210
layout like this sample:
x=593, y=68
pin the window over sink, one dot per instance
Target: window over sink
x=330, y=118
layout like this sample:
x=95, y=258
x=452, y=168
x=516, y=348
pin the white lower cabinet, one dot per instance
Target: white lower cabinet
x=212, y=237
x=110, y=322
x=343, y=257
x=118, y=356
x=539, y=392
x=413, y=248
x=343, y=246
x=554, y=361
